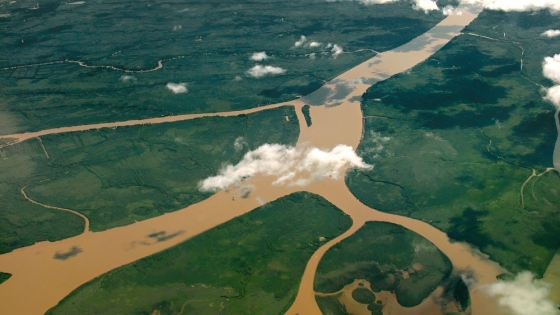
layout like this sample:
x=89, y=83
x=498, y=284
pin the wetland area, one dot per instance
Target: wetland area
x=103, y=209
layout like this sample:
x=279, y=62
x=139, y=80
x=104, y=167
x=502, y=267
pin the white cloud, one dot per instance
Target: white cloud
x=313, y=56
x=553, y=95
x=500, y=5
x=447, y=10
x=336, y=50
x=314, y=44
x=425, y=5
x=239, y=144
x=518, y=5
x=524, y=295
x=551, y=68
x=177, y=27
x=367, y=1
x=300, y=42
x=259, y=56
x=177, y=87
x=290, y=165
x=127, y=78
x=374, y=143
x=551, y=33
x=259, y=71
x=451, y=10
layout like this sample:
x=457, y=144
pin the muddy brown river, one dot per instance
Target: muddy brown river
x=40, y=281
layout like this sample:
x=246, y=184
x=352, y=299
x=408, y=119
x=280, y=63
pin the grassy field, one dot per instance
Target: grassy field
x=250, y=265
x=454, y=139
x=380, y=253
x=207, y=45
x=118, y=176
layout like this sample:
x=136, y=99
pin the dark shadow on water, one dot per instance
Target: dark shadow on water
x=439, y=32
x=162, y=236
x=74, y=251
x=335, y=90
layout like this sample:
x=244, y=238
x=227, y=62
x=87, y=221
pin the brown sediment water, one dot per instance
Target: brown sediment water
x=464, y=258
x=552, y=275
x=42, y=276
x=388, y=300
x=19, y=137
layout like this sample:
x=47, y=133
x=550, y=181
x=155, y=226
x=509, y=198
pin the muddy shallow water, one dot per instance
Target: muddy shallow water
x=46, y=272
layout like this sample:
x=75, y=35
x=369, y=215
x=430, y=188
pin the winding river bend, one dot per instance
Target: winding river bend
x=40, y=280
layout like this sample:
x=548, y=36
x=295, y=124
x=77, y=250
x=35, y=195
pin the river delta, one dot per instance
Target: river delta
x=241, y=229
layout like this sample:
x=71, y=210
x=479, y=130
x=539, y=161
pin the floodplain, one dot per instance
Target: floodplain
x=459, y=143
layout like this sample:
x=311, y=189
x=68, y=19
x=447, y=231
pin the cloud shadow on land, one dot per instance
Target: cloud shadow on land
x=468, y=228
x=74, y=251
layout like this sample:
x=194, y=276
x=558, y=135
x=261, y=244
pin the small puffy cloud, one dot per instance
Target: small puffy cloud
x=518, y=5
x=177, y=27
x=425, y=5
x=259, y=56
x=239, y=144
x=259, y=71
x=374, y=143
x=314, y=44
x=524, y=295
x=177, y=87
x=499, y=5
x=367, y=1
x=290, y=166
x=300, y=42
x=551, y=33
x=313, y=55
x=336, y=50
x=450, y=10
x=128, y=78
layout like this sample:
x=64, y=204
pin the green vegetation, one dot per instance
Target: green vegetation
x=381, y=253
x=250, y=265
x=461, y=294
x=466, y=129
x=363, y=295
x=206, y=44
x=307, y=115
x=118, y=176
x=4, y=277
x=329, y=305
